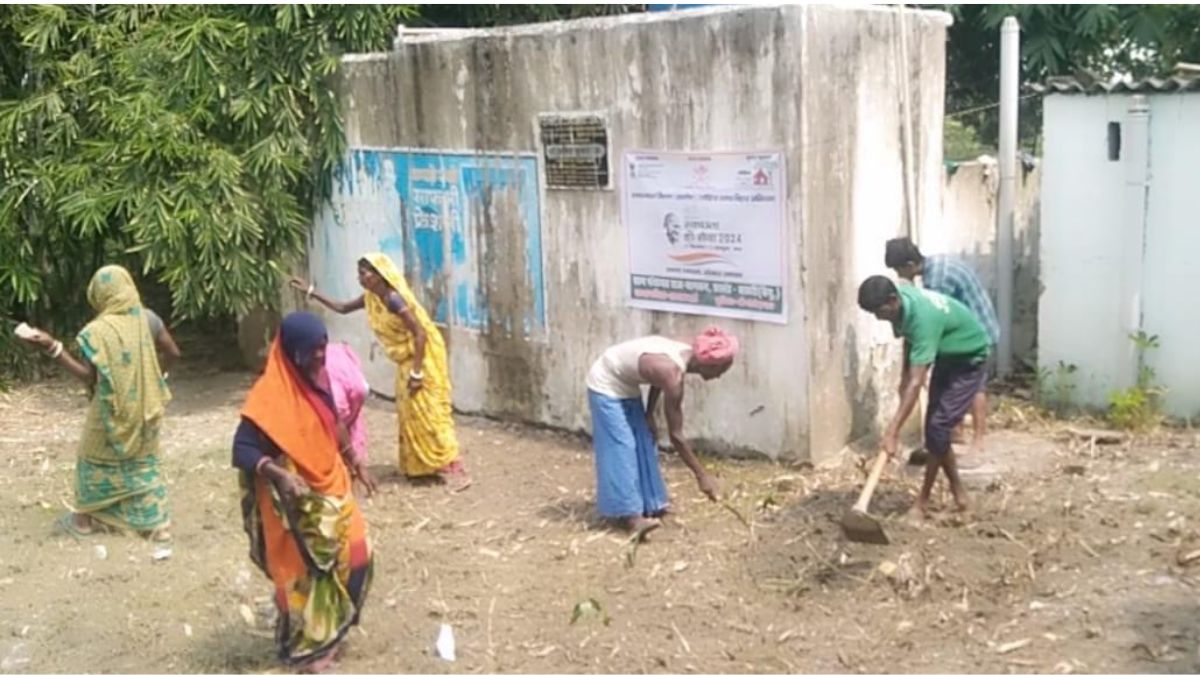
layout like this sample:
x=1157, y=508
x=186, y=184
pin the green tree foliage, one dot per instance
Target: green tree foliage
x=1106, y=39
x=961, y=142
x=1091, y=41
x=188, y=142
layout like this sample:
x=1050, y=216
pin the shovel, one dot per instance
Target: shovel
x=857, y=524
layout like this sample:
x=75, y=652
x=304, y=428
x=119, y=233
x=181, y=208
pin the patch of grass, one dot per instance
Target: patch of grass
x=1139, y=408
x=1054, y=389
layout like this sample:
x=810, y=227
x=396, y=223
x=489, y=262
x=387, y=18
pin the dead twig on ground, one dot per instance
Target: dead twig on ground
x=1093, y=436
x=491, y=613
x=682, y=640
x=1090, y=551
x=631, y=555
x=1188, y=558
x=738, y=514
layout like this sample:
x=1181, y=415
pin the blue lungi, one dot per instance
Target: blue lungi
x=628, y=479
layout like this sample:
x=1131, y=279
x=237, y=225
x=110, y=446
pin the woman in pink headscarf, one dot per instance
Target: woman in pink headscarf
x=629, y=484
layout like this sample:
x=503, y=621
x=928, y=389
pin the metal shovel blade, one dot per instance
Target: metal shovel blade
x=862, y=528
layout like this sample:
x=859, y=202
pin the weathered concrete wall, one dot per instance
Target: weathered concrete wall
x=1111, y=265
x=1081, y=245
x=824, y=85
x=968, y=231
x=853, y=189
x=1171, y=273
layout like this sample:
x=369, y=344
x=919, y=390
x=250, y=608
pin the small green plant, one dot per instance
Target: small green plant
x=1138, y=408
x=1055, y=388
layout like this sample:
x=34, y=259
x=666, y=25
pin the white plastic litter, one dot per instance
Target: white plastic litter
x=445, y=643
x=17, y=660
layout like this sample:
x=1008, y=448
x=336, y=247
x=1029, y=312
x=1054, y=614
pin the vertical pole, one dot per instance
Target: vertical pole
x=1010, y=73
x=912, y=221
x=1135, y=154
x=906, y=130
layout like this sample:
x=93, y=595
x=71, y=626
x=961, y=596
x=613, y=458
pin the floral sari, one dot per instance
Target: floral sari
x=313, y=548
x=118, y=480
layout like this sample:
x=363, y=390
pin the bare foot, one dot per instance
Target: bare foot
x=454, y=476
x=322, y=664
x=919, y=512
x=83, y=523
x=76, y=525
x=962, y=514
x=641, y=526
x=458, y=481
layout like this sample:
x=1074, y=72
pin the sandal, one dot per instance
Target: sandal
x=66, y=523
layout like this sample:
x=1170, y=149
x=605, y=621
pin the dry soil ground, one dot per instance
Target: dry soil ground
x=1074, y=560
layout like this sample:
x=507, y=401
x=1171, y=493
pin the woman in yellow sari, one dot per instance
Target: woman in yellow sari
x=118, y=482
x=428, y=443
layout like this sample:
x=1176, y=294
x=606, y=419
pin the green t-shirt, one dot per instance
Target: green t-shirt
x=938, y=326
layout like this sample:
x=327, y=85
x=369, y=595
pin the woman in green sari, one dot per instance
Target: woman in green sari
x=118, y=479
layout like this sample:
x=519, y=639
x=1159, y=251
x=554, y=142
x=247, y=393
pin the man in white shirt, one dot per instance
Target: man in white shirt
x=629, y=484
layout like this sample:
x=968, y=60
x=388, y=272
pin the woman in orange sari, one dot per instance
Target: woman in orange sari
x=298, y=509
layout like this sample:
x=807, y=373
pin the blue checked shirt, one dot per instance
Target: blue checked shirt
x=950, y=277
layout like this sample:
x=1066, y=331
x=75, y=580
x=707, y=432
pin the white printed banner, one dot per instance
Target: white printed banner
x=706, y=233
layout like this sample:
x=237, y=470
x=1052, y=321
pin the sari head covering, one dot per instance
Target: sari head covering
x=301, y=334
x=428, y=443
x=117, y=473
x=714, y=347
x=129, y=385
x=284, y=405
x=112, y=291
x=397, y=340
x=314, y=548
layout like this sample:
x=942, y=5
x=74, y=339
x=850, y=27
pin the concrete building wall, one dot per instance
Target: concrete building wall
x=822, y=85
x=1085, y=248
x=1172, y=273
x=968, y=231
x=854, y=190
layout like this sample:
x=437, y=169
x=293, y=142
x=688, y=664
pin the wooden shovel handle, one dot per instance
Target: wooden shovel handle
x=923, y=402
x=872, y=480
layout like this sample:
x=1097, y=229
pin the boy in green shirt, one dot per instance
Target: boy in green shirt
x=944, y=334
